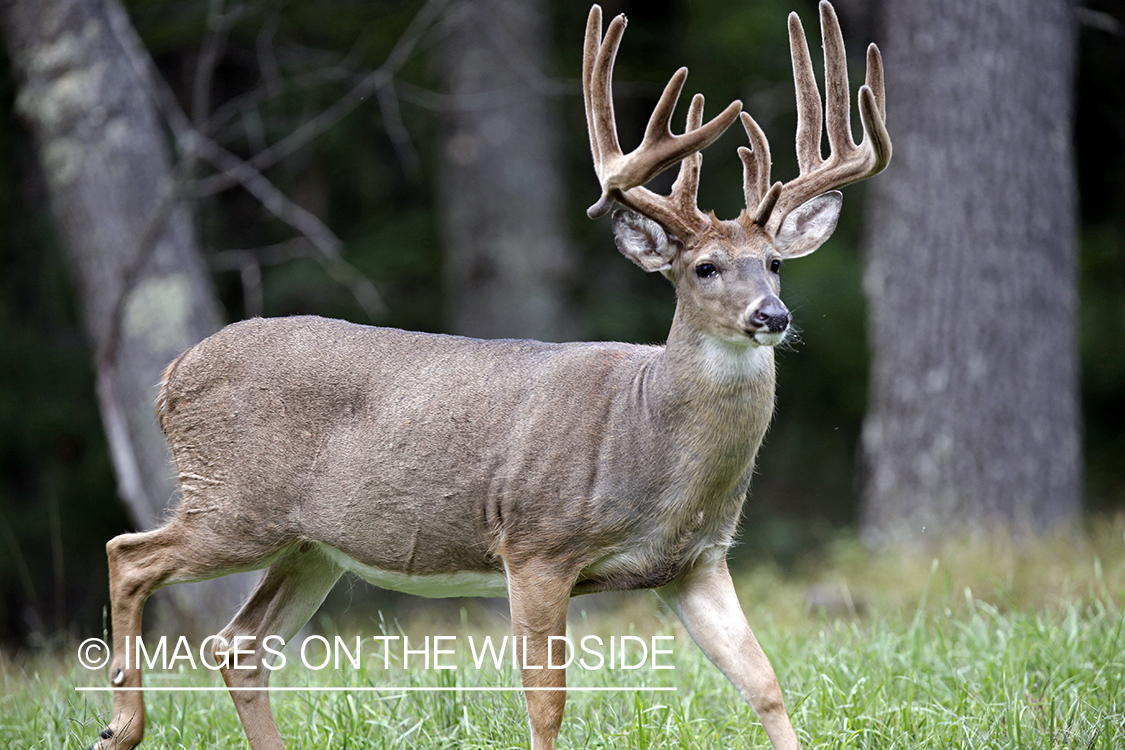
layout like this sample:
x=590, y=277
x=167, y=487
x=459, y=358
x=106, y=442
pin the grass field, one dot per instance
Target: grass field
x=978, y=645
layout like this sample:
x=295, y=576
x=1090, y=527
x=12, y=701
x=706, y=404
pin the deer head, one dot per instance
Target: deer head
x=726, y=272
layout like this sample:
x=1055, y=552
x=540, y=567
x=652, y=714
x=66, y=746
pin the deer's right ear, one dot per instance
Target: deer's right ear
x=643, y=241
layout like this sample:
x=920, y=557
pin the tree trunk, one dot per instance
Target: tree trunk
x=144, y=290
x=973, y=418
x=507, y=262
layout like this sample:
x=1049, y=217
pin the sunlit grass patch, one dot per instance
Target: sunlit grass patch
x=992, y=679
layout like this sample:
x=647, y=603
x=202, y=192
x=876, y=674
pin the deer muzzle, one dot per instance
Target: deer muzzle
x=767, y=320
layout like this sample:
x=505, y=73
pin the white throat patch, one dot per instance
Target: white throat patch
x=731, y=360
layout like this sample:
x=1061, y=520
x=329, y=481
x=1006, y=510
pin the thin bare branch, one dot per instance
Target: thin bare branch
x=299, y=138
x=296, y=216
x=437, y=101
x=379, y=82
x=193, y=144
x=233, y=259
x=263, y=48
x=397, y=131
x=210, y=52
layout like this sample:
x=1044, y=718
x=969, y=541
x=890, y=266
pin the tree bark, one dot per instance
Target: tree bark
x=507, y=262
x=144, y=290
x=973, y=418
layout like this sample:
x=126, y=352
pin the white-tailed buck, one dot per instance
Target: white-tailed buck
x=447, y=466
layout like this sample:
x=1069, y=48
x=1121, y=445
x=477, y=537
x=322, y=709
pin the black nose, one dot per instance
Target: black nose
x=771, y=315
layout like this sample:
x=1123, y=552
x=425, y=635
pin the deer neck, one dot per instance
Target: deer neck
x=714, y=395
x=732, y=372
x=709, y=403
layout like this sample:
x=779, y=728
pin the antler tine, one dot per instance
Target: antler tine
x=597, y=80
x=847, y=162
x=873, y=112
x=755, y=169
x=808, y=98
x=837, y=111
x=685, y=190
x=660, y=121
x=622, y=176
x=590, y=44
x=874, y=79
x=695, y=114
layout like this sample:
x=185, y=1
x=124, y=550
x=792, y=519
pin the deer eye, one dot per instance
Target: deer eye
x=775, y=265
x=706, y=270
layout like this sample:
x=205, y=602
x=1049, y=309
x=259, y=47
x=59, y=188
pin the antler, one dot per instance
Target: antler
x=847, y=162
x=622, y=176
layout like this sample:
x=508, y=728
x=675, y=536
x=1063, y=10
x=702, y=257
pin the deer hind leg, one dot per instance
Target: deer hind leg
x=539, y=599
x=139, y=564
x=289, y=593
x=706, y=603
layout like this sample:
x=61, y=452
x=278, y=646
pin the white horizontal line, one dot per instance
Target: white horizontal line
x=376, y=689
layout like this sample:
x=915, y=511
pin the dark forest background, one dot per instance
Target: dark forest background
x=379, y=178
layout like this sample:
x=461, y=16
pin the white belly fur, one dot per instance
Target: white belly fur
x=436, y=586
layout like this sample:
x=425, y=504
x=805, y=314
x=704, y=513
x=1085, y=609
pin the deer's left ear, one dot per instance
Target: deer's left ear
x=808, y=225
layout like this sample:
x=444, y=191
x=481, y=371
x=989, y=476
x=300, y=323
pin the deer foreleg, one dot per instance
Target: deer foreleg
x=705, y=601
x=539, y=600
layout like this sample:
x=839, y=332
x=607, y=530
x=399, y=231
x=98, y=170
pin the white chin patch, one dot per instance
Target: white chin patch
x=768, y=338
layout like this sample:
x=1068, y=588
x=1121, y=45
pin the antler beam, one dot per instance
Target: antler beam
x=622, y=176
x=847, y=162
